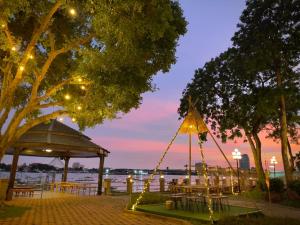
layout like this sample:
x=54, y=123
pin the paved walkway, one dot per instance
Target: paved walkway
x=74, y=210
x=272, y=210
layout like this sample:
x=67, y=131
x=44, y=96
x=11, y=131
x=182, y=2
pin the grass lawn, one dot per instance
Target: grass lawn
x=160, y=209
x=12, y=211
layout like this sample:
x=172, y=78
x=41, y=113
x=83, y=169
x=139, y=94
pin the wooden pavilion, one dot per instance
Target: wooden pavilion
x=55, y=139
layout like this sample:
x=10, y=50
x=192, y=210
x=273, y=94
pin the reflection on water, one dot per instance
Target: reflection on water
x=118, y=181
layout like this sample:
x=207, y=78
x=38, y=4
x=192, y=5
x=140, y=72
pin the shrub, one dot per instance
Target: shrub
x=295, y=186
x=148, y=198
x=276, y=185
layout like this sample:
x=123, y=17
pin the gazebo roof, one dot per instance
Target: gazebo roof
x=55, y=139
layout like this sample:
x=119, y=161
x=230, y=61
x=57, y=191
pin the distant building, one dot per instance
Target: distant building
x=77, y=165
x=245, y=162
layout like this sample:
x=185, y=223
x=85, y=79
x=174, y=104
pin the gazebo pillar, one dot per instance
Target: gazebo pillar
x=64, y=178
x=100, y=174
x=12, y=175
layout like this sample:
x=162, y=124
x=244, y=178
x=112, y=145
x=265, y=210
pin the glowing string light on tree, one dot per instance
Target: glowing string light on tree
x=67, y=96
x=72, y=12
x=21, y=68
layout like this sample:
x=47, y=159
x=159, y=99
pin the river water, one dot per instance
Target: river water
x=118, y=182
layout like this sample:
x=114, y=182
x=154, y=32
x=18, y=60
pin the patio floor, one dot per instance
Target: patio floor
x=66, y=209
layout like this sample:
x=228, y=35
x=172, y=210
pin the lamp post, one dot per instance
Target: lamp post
x=236, y=154
x=273, y=162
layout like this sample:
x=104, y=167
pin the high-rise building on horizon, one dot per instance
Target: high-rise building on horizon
x=245, y=162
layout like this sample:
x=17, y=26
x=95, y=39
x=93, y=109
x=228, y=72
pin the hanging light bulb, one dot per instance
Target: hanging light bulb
x=67, y=97
x=13, y=48
x=82, y=87
x=21, y=68
x=72, y=12
x=79, y=107
x=73, y=119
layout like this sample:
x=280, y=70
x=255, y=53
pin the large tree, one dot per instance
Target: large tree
x=234, y=102
x=268, y=38
x=90, y=59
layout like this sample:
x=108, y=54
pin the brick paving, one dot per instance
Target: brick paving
x=65, y=209
x=272, y=210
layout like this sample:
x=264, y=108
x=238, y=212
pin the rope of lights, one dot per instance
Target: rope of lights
x=204, y=168
x=149, y=180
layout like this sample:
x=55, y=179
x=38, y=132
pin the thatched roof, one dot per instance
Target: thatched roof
x=60, y=139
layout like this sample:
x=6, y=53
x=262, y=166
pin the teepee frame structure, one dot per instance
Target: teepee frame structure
x=193, y=123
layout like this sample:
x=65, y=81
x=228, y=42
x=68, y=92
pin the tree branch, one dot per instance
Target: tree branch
x=53, y=90
x=33, y=41
x=37, y=121
x=75, y=44
x=47, y=105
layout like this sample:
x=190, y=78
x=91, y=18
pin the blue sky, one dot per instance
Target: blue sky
x=138, y=138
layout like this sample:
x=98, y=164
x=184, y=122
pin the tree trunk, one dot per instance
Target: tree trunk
x=256, y=151
x=292, y=158
x=283, y=133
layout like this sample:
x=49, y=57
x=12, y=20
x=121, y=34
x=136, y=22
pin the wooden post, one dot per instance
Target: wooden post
x=107, y=186
x=100, y=174
x=64, y=178
x=190, y=158
x=162, y=184
x=129, y=183
x=12, y=176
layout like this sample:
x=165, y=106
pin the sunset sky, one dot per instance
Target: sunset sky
x=138, y=139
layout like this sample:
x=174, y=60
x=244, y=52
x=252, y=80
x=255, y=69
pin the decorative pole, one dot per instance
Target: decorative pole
x=273, y=162
x=190, y=158
x=236, y=154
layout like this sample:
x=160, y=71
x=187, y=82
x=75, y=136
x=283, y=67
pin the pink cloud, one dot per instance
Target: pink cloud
x=179, y=151
x=151, y=111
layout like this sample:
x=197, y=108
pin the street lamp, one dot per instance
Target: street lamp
x=236, y=154
x=273, y=162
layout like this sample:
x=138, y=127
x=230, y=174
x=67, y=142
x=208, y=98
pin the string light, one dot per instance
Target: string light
x=79, y=79
x=149, y=180
x=3, y=25
x=79, y=107
x=73, y=119
x=61, y=119
x=21, y=68
x=82, y=87
x=67, y=97
x=30, y=56
x=72, y=12
x=13, y=48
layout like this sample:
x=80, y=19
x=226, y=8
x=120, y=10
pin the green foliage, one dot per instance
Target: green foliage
x=276, y=185
x=148, y=198
x=104, y=57
x=254, y=194
x=295, y=186
x=12, y=211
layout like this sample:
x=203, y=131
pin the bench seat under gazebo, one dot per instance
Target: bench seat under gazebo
x=55, y=139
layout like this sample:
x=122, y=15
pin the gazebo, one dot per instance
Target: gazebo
x=55, y=139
